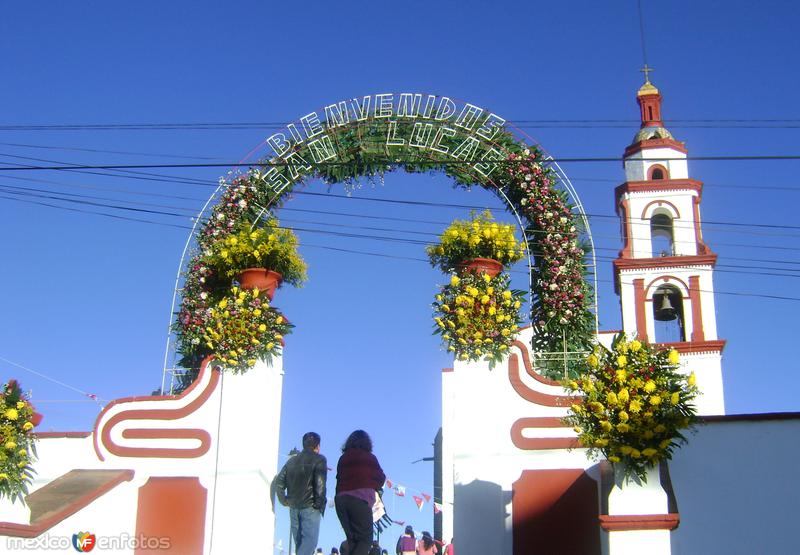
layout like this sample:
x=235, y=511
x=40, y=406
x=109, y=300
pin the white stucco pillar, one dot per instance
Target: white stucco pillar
x=240, y=513
x=638, y=519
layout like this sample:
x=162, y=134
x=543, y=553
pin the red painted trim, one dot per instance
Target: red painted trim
x=665, y=280
x=628, y=231
x=529, y=394
x=526, y=360
x=159, y=414
x=702, y=248
x=641, y=318
x=655, y=143
x=36, y=528
x=620, y=523
x=676, y=213
x=653, y=102
x=655, y=167
x=447, y=369
x=698, y=334
x=54, y=435
x=710, y=346
x=659, y=186
x=665, y=262
x=537, y=443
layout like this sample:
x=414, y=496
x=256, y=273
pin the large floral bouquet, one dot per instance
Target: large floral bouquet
x=480, y=237
x=478, y=316
x=635, y=404
x=16, y=442
x=267, y=246
x=243, y=328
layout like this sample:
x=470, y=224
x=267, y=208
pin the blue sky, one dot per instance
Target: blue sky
x=87, y=297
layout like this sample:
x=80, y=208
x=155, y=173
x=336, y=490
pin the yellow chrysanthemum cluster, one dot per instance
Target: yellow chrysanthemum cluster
x=242, y=328
x=16, y=441
x=270, y=247
x=635, y=402
x=478, y=316
x=480, y=237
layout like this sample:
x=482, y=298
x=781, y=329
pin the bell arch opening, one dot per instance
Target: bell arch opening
x=370, y=136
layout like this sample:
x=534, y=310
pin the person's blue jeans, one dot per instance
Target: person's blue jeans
x=305, y=529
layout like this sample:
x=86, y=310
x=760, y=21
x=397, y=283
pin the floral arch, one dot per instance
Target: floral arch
x=375, y=134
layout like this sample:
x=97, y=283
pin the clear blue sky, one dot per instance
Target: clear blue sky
x=87, y=297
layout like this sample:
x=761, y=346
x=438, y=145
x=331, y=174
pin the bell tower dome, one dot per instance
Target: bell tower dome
x=664, y=272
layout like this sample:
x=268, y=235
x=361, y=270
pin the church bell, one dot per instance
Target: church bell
x=666, y=312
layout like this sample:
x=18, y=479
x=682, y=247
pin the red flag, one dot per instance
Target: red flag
x=418, y=501
x=437, y=508
x=388, y=483
x=400, y=491
x=427, y=497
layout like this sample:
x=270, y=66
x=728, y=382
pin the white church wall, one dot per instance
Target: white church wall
x=479, y=408
x=241, y=415
x=682, y=212
x=638, y=164
x=736, y=486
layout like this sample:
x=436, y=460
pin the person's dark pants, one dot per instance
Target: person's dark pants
x=356, y=517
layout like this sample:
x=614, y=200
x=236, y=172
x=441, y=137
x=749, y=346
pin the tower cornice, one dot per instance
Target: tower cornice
x=621, y=264
x=654, y=143
x=659, y=185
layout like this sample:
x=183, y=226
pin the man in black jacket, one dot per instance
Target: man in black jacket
x=300, y=485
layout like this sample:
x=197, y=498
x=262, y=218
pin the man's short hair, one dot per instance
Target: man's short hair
x=310, y=440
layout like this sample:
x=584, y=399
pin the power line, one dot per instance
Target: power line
x=720, y=267
x=390, y=162
x=407, y=241
x=50, y=196
x=716, y=123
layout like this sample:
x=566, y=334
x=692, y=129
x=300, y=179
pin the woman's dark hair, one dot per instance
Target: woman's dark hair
x=427, y=540
x=358, y=440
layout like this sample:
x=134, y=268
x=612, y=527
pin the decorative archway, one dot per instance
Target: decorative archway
x=376, y=134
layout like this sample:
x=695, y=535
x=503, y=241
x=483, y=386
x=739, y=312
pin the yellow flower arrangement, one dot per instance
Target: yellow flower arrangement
x=266, y=246
x=480, y=237
x=635, y=404
x=17, y=448
x=242, y=328
x=478, y=317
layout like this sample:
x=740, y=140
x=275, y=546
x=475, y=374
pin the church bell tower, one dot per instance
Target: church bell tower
x=664, y=272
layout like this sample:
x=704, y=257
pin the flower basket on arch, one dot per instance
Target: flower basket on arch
x=479, y=245
x=262, y=257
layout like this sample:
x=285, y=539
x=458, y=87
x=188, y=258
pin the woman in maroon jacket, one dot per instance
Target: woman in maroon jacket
x=358, y=477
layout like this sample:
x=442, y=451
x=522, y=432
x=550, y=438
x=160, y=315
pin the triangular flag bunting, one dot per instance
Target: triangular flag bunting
x=388, y=483
x=427, y=497
x=418, y=501
x=437, y=507
x=400, y=490
x=400, y=522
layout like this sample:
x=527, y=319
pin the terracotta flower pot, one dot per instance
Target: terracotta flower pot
x=481, y=266
x=265, y=280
